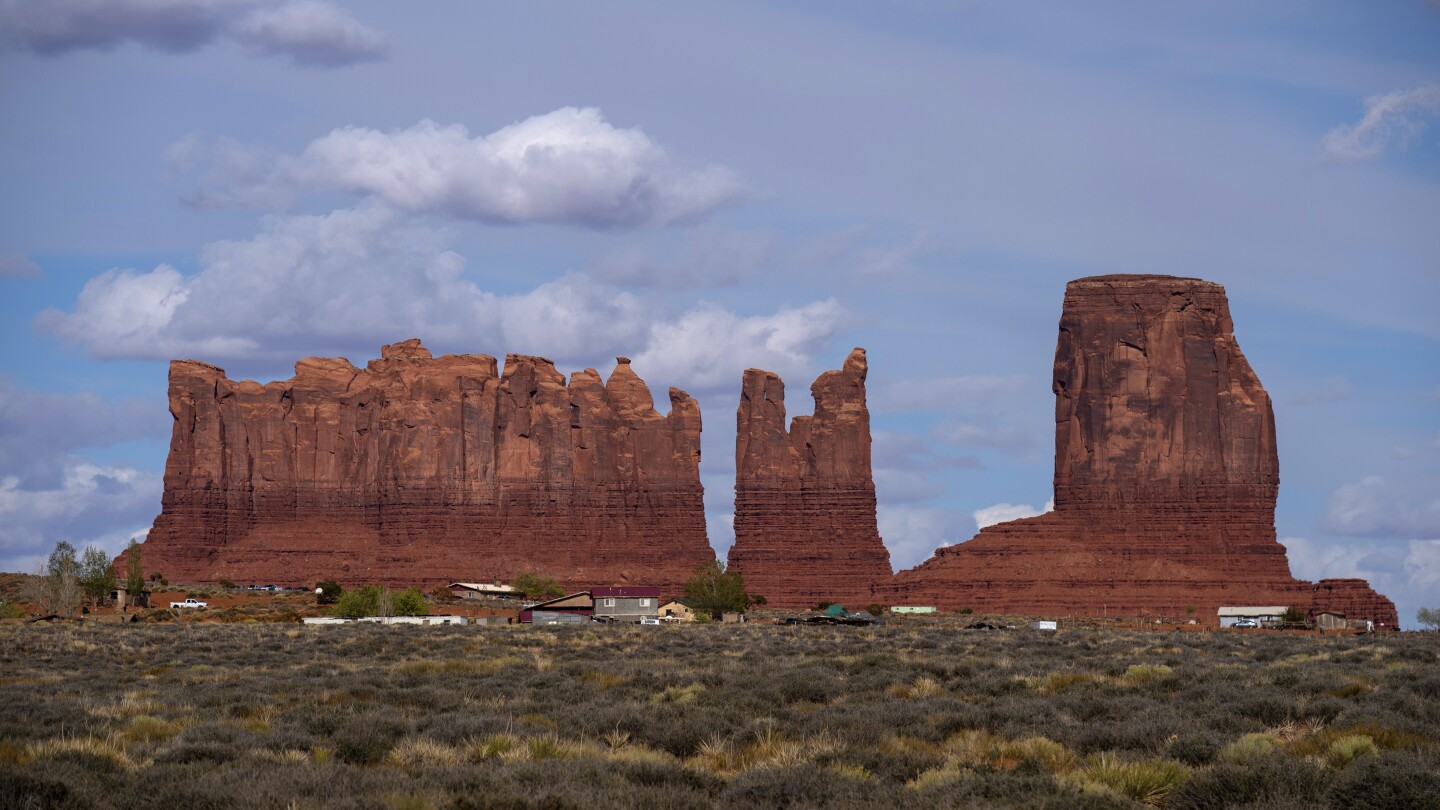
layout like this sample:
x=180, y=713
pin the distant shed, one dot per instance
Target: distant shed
x=1269, y=613
x=478, y=590
x=912, y=609
x=1331, y=620
x=570, y=609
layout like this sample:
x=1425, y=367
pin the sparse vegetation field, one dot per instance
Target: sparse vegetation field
x=912, y=714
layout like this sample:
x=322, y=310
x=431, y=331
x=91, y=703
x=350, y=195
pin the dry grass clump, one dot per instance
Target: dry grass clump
x=1150, y=782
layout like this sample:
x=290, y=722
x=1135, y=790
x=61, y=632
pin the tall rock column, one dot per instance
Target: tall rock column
x=805, y=526
x=1166, y=474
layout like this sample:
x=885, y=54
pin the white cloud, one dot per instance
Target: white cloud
x=710, y=347
x=16, y=265
x=352, y=279
x=1375, y=507
x=49, y=493
x=309, y=32
x=1391, y=120
x=567, y=166
x=1407, y=571
x=912, y=533
x=1002, y=512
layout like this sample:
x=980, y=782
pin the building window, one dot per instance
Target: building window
x=609, y=603
x=644, y=603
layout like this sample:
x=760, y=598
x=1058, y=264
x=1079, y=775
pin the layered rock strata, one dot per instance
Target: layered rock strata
x=1166, y=474
x=805, y=526
x=421, y=470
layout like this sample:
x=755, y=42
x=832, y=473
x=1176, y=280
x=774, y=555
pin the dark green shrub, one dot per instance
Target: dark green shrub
x=1269, y=779
x=365, y=740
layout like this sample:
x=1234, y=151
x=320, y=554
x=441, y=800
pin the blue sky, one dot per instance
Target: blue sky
x=710, y=186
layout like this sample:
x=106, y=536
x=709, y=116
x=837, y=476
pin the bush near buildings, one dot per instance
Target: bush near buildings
x=906, y=715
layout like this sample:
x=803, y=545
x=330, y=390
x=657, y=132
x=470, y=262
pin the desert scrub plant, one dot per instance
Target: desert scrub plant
x=1249, y=747
x=1142, y=674
x=417, y=753
x=147, y=729
x=1055, y=682
x=1150, y=782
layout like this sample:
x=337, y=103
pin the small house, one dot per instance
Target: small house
x=1269, y=614
x=676, y=610
x=124, y=600
x=575, y=608
x=626, y=603
x=480, y=590
x=912, y=609
x=1330, y=620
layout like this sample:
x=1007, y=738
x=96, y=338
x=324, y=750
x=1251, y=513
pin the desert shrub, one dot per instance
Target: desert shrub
x=24, y=791
x=1393, y=779
x=1271, y=779
x=365, y=740
x=1195, y=748
x=804, y=786
x=1249, y=747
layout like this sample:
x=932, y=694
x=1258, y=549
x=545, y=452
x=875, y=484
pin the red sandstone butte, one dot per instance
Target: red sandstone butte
x=804, y=500
x=1165, y=476
x=418, y=470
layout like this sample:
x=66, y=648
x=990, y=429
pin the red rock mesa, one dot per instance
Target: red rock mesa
x=419, y=470
x=804, y=499
x=1165, y=476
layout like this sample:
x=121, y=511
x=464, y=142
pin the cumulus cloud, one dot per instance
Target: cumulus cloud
x=90, y=504
x=567, y=166
x=50, y=492
x=347, y=281
x=1375, y=507
x=309, y=32
x=1407, y=571
x=38, y=430
x=16, y=265
x=912, y=533
x=1391, y=120
x=1002, y=512
x=711, y=346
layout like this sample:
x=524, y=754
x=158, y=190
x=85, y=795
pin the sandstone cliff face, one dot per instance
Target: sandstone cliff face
x=1166, y=474
x=804, y=499
x=421, y=470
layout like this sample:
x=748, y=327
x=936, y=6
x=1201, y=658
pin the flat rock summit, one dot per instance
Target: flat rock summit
x=421, y=470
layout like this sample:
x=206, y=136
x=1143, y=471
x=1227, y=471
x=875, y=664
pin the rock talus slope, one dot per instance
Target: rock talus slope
x=805, y=526
x=1166, y=474
x=421, y=470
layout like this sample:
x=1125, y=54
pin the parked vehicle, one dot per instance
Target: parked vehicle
x=189, y=603
x=1245, y=624
x=650, y=620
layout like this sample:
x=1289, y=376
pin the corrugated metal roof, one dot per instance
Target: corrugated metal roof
x=626, y=591
x=1253, y=611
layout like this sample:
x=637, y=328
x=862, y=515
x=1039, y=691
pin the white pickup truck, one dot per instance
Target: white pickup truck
x=189, y=603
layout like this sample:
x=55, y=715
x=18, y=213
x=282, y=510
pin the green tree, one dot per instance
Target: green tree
x=1430, y=617
x=409, y=602
x=134, y=573
x=63, y=580
x=537, y=587
x=97, y=576
x=1293, y=617
x=359, y=602
x=373, y=600
x=328, y=592
x=712, y=590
